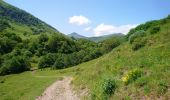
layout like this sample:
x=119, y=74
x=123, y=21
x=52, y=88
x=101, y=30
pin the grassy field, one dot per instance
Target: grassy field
x=27, y=85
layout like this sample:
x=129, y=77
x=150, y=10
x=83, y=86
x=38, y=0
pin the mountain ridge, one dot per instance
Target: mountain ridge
x=95, y=38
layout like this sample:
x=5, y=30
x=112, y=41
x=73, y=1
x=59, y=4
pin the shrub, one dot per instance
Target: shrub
x=136, y=35
x=109, y=44
x=27, y=53
x=138, y=45
x=109, y=86
x=155, y=30
x=4, y=24
x=47, y=60
x=15, y=65
x=43, y=38
x=6, y=45
x=132, y=76
x=59, y=64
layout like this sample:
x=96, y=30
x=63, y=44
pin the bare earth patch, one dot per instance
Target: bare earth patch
x=59, y=90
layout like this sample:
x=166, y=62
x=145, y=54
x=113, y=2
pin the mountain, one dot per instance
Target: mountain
x=97, y=38
x=76, y=35
x=18, y=19
x=104, y=37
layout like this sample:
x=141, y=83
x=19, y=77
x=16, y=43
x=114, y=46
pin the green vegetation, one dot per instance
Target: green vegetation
x=27, y=85
x=138, y=66
x=38, y=45
x=141, y=73
x=109, y=86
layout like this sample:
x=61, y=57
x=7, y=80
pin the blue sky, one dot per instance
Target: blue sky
x=95, y=17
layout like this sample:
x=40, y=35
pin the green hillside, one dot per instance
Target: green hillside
x=28, y=43
x=134, y=70
x=33, y=55
x=19, y=17
x=124, y=73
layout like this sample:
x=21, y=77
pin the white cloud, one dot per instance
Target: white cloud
x=88, y=29
x=104, y=29
x=79, y=20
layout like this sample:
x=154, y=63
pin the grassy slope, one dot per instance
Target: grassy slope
x=23, y=23
x=153, y=60
x=25, y=86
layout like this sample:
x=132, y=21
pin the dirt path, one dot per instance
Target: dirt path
x=59, y=90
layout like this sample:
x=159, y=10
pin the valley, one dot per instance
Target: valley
x=38, y=62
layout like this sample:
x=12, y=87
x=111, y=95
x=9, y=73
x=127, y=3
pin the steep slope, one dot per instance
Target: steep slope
x=26, y=42
x=135, y=70
x=18, y=17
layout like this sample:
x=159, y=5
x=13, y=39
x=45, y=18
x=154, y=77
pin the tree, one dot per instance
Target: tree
x=43, y=38
x=15, y=65
x=6, y=45
x=109, y=44
x=47, y=61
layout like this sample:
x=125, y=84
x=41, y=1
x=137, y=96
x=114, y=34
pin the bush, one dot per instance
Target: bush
x=27, y=53
x=136, y=35
x=47, y=61
x=4, y=24
x=109, y=44
x=138, y=45
x=155, y=30
x=15, y=65
x=6, y=45
x=132, y=76
x=43, y=38
x=63, y=61
x=109, y=86
x=59, y=63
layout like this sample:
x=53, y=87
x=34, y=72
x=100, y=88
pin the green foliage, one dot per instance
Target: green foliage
x=138, y=44
x=109, y=44
x=143, y=27
x=14, y=65
x=155, y=30
x=136, y=35
x=132, y=76
x=47, y=60
x=6, y=45
x=4, y=24
x=109, y=86
x=43, y=38
x=61, y=44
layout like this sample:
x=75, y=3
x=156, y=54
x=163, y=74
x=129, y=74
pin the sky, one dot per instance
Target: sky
x=95, y=17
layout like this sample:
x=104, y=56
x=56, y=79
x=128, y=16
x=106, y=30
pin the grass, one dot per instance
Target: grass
x=27, y=85
x=153, y=60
